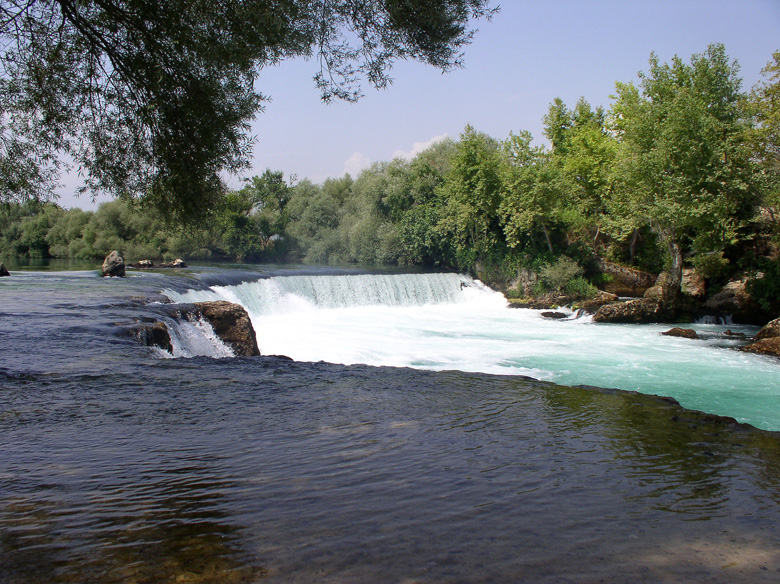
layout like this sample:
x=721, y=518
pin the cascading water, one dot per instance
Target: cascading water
x=450, y=321
x=193, y=337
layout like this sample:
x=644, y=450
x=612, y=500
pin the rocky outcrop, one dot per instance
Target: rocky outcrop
x=681, y=332
x=642, y=310
x=113, y=265
x=3, y=270
x=693, y=283
x=770, y=346
x=554, y=315
x=231, y=323
x=732, y=298
x=148, y=264
x=626, y=281
x=154, y=335
x=767, y=341
x=601, y=299
x=770, y=331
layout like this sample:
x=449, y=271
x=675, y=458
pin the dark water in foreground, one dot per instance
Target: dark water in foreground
x=116, y=466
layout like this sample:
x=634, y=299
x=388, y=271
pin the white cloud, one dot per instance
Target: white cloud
x=356, y=163
x=418, y=147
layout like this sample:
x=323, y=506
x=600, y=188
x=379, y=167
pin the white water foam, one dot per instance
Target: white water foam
x=193, y=337
x=449, y=321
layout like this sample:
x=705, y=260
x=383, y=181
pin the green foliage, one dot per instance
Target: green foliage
x=559, y=274
x=677, y=166
x=764, y=137
x=152, y=99
x=683, y=168
x=711, y=265
x=764, y=284
x=471, y=195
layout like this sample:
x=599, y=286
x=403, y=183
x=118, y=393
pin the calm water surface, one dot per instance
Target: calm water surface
x=119, y=466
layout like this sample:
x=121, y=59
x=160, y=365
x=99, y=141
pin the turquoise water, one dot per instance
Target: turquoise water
x=448, y=321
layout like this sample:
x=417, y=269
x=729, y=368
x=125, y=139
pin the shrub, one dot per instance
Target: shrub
x=558, y=275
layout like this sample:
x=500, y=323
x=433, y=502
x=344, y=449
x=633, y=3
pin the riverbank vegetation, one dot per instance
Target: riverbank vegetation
x=682, y=170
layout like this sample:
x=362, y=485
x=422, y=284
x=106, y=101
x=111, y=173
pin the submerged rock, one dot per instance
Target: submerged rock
x=113, y=265
x=681, y=332
x=554, y=315
x=231, y=323
x=3, y=270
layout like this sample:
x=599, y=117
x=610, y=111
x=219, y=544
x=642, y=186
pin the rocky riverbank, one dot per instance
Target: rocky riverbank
x=633, y=296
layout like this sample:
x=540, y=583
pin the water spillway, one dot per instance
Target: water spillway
x=451, y=321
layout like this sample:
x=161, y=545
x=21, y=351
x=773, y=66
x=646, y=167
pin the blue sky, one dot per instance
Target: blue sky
x=530, y=53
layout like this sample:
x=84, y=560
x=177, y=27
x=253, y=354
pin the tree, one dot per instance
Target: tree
x=764, y=105
x=533, y=190
x=683, y=167
x=269, y=195
x=151, y=99
x=472, y=192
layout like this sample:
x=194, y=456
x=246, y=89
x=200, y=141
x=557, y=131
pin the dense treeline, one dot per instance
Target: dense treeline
x=682, y=170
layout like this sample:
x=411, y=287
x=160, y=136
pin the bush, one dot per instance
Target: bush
x=764, y=285
x=711, y=265
x=558, y=275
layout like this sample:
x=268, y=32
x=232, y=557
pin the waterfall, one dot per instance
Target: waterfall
x=192, y=337
x=284, y=294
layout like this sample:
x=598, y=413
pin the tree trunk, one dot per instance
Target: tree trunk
x=673, y=287
x=632, y=247
x=547, y=237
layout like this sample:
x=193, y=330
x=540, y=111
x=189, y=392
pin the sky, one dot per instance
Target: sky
x=531, y=52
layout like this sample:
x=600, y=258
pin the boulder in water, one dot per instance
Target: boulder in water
x=769, y=331
x=767, y=346
x=634, y=311
x=602, y=298
x=113, y=265
x=3, y=270
x=154, y=335
x=231, y=323
x=554, y=315
x=767, y=341
x=681, y=332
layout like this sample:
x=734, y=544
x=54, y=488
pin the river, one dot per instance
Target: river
x=423, y=432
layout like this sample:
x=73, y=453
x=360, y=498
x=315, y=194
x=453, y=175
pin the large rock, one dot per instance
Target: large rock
x=770, y=331
x=626, y=281
x=602, y=298
x=634, y=311
x=154, y=335
x=732, y=298
x=113, y=265
x=767, y=346
x=231, y=323
x=693, y=283
x=3, y=270
x=684, y=333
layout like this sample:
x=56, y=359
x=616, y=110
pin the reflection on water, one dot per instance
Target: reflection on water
x=265, y=470
x=92, y=512
x=116, y=467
